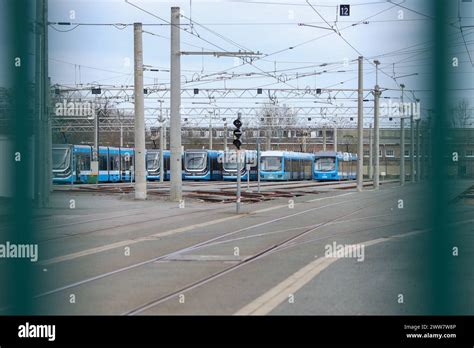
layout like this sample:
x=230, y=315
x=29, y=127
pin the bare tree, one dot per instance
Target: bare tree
x=461, y=114
x=276, y=116
x=348, y=140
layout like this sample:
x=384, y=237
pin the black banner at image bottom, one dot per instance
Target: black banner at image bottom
x=223, y=330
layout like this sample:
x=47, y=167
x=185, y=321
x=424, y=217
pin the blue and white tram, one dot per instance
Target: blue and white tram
x=202, y=165
x=153, y=164
x=331, y=165
x=248, y=159
x=72, y=163
x=283, y=165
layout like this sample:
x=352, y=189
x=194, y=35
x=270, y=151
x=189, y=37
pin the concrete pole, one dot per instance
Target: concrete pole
x=269, y=139
x=165, y=139
x=258, y=164
x=162, y=149
x=377, y=138
x=371, y=154
x=225, y=136
x=140, y=165
x=95, y=150
x=402, y=143
x=96, y=136
x=360, y=127
x=418, y=151
x=335, y=138
x=247, y=166
x=175, y=119
x=412, y=147
x=324, y=139
x=210, y=131
x=121, y=135
x=42, y=154
x=402, y=152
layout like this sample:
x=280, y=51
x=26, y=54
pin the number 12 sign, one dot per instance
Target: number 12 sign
x=344, y=10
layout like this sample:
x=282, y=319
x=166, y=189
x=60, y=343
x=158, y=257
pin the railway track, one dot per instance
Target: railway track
x=71, y=235
x=223, y=192
x=208, y=196
x=209, y=242
x=287, y=242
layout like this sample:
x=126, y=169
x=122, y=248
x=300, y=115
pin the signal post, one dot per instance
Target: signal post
x=237, y=143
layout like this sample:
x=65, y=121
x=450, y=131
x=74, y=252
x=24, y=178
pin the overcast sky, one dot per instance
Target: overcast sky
x=396, y=35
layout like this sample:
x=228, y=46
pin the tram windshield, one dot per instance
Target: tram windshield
x=271, y=164
x=325, y=164
x=195, y=160
x=61, y=158
x=153, y=161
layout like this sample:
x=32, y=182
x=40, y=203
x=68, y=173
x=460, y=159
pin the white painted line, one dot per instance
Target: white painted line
x=278, y=294
x=323, y=198
x=132, y=241
x=272, y=298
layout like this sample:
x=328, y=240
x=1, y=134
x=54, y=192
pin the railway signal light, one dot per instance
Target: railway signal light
x=237, y=143
x=237, y=132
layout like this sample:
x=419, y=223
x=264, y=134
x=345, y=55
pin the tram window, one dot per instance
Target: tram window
x=307, y=168
x=61, y=158
x=102, y=162
x=153, y=161
x=166, y=162
x=114, y=162
x=326, y=164
x=196, y=160
x=83, y=161
x=271, y=163
x=126, y=161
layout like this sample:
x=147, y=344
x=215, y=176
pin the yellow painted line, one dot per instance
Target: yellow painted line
x=129, y=242
x=278, y=294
